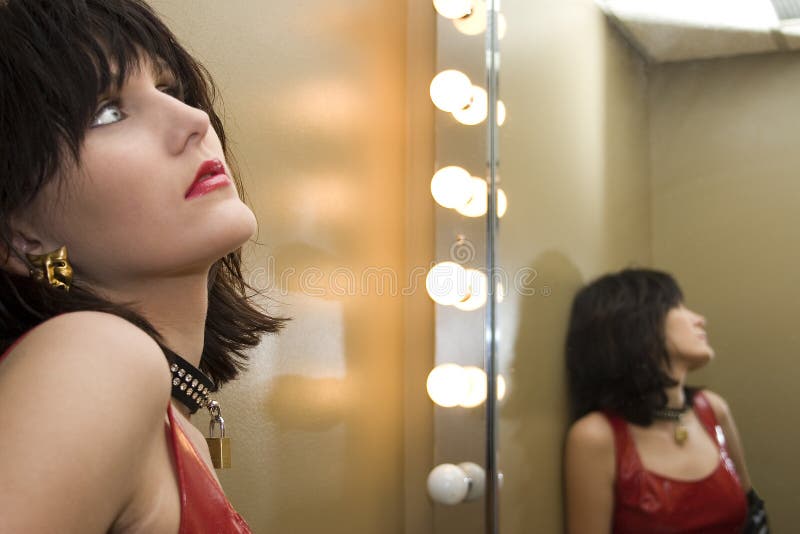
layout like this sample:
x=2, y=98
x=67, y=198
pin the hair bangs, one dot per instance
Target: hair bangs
x=59, y=59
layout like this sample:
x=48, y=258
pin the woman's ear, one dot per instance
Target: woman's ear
x=12, y=253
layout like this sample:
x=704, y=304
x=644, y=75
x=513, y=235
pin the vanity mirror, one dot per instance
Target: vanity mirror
x=642, y=135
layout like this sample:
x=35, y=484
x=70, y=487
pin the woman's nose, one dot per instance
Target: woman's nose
x=701, y=320
x=189, y=125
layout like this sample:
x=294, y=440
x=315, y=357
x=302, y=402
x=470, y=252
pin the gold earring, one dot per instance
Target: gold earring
x=54, y=267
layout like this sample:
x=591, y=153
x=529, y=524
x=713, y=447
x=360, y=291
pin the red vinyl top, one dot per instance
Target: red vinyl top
x=655, y=504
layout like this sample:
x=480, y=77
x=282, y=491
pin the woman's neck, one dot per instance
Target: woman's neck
x=176, y=307
x=676, y=396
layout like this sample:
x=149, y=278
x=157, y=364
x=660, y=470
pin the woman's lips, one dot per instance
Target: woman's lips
x=210, y=176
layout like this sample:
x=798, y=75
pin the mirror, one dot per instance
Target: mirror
x=644, y=140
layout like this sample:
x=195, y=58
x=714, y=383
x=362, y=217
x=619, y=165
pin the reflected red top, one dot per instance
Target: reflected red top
x=647, y=502
x=204, y=507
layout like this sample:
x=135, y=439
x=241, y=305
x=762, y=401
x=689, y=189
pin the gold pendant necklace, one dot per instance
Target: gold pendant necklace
x=681, y=432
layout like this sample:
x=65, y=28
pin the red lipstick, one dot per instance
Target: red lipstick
x=210, y=176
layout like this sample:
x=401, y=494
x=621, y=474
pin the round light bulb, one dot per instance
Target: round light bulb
x=501, y=113
x=502, y=203
x=447, y=385
x=448, y=484
x=477, y=478
x=451, y=90
x=478, y=203
x=476, y=387
x=501, y=387
x=450, y=187
x=453, y=9
x=477, y=291
x=475, y=111
x=475, y=22
x=447, y=283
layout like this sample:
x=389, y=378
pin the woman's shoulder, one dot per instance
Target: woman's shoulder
x=90, y=386
x=87, y=357
x=589, y=452
x=89, y=337
x=94, y=353
x=592, y=430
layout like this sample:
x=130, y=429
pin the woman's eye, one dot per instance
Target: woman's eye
x=172, y=90
x=108, y=114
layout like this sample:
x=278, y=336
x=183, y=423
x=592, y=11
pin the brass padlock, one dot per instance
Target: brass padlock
x=219, y=447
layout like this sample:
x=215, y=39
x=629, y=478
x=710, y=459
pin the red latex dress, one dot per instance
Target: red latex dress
x=204, y=507
x=647, y=503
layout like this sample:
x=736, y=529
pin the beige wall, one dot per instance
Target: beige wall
x=331, y=431
x=726, y=222
x=574, y=163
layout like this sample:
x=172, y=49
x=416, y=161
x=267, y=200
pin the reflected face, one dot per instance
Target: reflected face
x=129, y=210
x=686, y=338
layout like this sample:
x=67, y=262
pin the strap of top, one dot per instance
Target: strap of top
x=705, y=413
x=625, y=455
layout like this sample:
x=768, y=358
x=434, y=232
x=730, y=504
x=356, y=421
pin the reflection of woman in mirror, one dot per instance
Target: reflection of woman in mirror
x=121, y=224
x=646, y=453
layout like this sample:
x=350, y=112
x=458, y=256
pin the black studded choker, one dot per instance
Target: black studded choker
x=670, y=414
x=189, y=385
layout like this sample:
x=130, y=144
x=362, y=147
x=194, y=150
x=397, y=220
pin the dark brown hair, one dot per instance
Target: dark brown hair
x=56, y=58
x=616, y=349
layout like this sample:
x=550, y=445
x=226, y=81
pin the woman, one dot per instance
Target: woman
x=646, y=453
x=121, y=227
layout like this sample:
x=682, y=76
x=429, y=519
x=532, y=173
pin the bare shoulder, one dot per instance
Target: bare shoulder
x=91, y=387
x=593, y=431
x=83, y=329
x=589, y=472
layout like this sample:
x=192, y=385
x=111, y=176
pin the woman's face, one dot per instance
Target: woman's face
x=123, y=212
x=686, y=338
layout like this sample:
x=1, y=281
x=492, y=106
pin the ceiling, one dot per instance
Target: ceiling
x=681, y=30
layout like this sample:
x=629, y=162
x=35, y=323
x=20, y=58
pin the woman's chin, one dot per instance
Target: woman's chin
x=701, y=360
x=236, y=230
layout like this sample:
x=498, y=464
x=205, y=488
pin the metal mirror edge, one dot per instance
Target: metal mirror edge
x=492, y=86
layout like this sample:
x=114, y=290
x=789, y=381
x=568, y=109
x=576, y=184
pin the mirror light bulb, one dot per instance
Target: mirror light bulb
x=447, y=385
x=451, y=90
x=502, y=26
x=501, y=113
x=477, y=291
x=502, y=203
x=478, y=203
x=475, y=111
x=501, y=387
x=475, y=22
x=476, y=387
x=450, y=187
x=449, y=484
x=447, y=283
x=453, y=9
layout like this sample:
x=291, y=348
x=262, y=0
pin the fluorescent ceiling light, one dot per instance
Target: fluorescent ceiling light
x=752, y=15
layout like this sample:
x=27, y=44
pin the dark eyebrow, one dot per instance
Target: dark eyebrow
x=156, y=66
x=160, y=68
